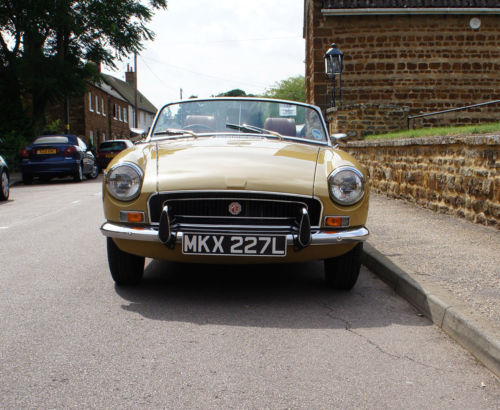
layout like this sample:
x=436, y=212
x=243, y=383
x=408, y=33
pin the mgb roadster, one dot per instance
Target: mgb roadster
x=236, y=181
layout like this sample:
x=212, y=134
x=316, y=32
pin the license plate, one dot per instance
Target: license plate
x=237, y=245
x=46, y=151
x=110, y=155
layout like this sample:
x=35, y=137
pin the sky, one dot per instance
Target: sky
x=207, y=47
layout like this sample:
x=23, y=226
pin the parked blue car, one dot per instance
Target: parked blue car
x=63, y=155
x=4, y=180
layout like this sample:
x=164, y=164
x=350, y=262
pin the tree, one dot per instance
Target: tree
x=233, y=93
x=293, y=88
x=46, y=47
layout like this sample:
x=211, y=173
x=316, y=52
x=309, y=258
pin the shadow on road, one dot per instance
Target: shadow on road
x=277, y=296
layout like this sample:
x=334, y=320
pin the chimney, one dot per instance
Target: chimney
x=130, y=77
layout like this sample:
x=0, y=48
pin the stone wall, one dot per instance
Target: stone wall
x=425, y=62
x=454, y=175
x=359, y=120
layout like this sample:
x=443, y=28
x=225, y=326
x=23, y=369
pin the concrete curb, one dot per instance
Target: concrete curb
x=476, y=335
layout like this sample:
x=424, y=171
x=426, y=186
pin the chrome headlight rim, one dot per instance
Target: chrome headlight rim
x=362, y=180
x=136, y=192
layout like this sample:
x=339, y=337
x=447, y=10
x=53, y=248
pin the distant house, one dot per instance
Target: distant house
x=145, y=109
x=105, y=111
x=422, y=54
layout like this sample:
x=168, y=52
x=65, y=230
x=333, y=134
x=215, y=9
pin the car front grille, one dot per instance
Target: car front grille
x=205, y=209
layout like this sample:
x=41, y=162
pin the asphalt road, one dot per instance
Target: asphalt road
x=194, y=336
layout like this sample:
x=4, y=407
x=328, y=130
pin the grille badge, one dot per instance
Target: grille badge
x=234, y=208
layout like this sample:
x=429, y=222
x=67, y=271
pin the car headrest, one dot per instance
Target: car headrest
x=206, y=120
x=283, y=126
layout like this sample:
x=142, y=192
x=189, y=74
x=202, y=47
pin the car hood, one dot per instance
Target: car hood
x=237, y=163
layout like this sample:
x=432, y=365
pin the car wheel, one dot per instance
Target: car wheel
x=126, y=269
x=4, y=186
x=94, y=173
x=342, y=271
x=78, y=175
x=27, y=179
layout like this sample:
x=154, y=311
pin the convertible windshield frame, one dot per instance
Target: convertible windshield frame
x=246, y=129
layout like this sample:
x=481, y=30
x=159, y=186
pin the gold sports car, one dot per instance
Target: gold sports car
x=236, y=180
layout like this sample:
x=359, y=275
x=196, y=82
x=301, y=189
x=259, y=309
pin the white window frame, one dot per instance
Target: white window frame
x=90, y=102
x=97, y=104
x=120, y=113
x=102, y=107
x=91, y=135
x=125, y=119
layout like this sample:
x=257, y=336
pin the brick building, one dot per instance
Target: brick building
x=104, y=112
x=421, y=54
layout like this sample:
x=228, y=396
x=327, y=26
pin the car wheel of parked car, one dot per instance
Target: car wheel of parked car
x=342, y=271
x=126, y=269
x=27, y=179
x=78, y=176
x=4, y=182
x=94, y=173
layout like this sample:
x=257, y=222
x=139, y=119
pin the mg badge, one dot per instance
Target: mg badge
x=235, y=208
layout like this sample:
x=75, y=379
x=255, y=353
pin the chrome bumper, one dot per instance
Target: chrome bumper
x=150, y=234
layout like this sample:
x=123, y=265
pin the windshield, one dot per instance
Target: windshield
x=51, y=140
x=280, y=119
x=112, y=146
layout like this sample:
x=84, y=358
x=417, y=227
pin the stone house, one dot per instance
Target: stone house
x=104, y=112
x=421, y=54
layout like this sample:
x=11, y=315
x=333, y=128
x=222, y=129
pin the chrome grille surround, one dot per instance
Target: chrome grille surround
x=192, y=210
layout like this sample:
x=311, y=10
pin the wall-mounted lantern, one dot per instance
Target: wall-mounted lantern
x=334, y=59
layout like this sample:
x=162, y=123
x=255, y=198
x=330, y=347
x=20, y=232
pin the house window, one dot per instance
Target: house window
x=114, y=112
x=97, y=104
x=125, y=115
x=90, y=102
x=104, y=136
x=102, y=107
x=120, y=113
x=91, y=135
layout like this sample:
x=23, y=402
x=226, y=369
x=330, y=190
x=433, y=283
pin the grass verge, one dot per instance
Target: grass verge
x=440, y=131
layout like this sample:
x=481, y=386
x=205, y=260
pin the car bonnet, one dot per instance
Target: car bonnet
x=237, y=163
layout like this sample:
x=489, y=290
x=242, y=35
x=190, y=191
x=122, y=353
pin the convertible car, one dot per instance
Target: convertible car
x=236, y=180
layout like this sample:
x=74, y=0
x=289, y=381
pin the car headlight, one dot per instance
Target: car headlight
x=124, y=181
x=347, y=185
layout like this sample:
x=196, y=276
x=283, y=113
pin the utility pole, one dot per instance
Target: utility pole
x=181, y=93
x=136, y=122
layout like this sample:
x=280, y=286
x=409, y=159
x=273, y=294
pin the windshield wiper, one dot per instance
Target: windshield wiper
x=176, y=131
x=252, y=128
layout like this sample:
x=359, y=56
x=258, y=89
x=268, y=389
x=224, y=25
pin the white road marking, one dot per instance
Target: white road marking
x=75, y=202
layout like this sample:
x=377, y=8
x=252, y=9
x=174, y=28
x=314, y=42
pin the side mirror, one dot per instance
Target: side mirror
x=336, y=138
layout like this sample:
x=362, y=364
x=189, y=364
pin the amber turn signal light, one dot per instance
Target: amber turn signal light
x=132, y=216
x=337, y=221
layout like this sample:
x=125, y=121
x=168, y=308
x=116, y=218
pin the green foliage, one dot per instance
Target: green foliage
x=293, y=88
x=233, y=93
x=46, y=47
x=54, y=127
x=10, y=145
x=439, y=131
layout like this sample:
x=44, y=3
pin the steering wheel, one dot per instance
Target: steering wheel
x=198, y=127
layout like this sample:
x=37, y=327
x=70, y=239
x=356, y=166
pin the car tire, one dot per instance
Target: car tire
x=126, y=269
x=95, y=171
x=342, y=271
x=78, y=175
x=27, y=179
x=4, y=186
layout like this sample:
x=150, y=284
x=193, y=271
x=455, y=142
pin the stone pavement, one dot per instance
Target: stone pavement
x=447, y=267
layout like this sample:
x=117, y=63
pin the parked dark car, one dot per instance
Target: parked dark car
x=51, y=156
x=109, y=149
x=4, y=180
